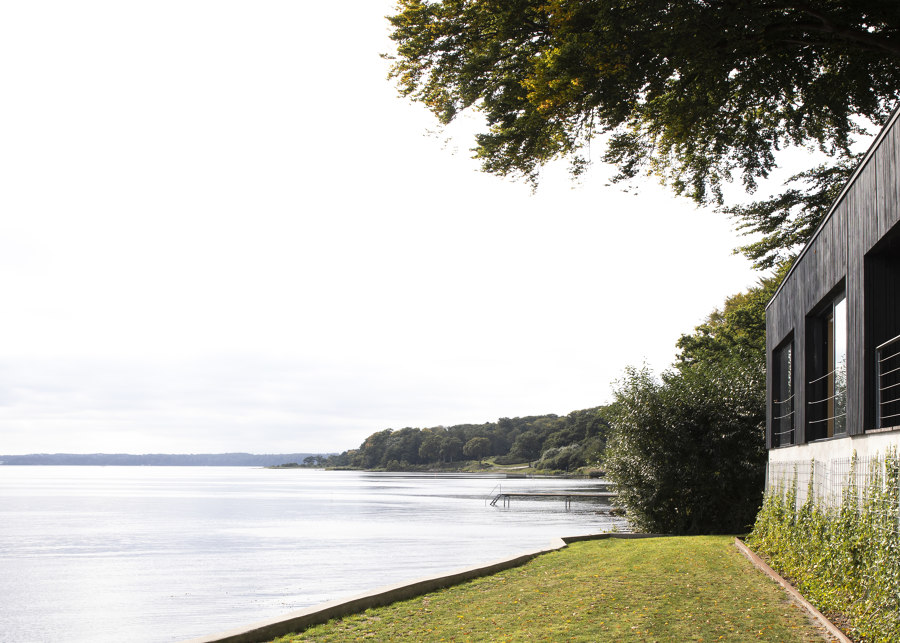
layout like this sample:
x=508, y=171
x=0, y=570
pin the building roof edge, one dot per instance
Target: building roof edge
x=840, y=197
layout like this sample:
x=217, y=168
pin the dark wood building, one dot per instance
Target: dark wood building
x=833, y=327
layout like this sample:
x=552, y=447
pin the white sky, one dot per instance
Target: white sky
x=222, y=230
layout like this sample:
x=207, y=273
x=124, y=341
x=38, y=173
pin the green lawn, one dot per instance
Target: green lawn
x=660, y=589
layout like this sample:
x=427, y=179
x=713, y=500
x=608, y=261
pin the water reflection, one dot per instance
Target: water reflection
x=167, y=553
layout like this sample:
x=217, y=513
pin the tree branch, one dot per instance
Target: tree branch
x=868, y=40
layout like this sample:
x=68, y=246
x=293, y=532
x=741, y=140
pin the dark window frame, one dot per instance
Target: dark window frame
x=881, y=323
x=826, y=379
x=782, y=395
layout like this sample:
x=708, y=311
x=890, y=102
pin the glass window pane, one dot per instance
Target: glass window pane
x=783, y=397
x=840, y=366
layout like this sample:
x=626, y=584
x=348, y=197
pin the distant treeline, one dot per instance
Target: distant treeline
x=156, y=459
x=554, y=442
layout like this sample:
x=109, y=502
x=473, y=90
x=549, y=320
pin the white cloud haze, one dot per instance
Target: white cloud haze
x=221, y=230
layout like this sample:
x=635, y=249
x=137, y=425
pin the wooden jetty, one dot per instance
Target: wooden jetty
x=568, y=496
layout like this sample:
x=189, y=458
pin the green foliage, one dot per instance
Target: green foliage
x=845, y=559
x=477, y=448
x=567, y=458
x=509, y=459
x=786, y=221
x=451, y=448
x=696, y=93
x=527, y=446
x=510, y=440
x=430, y=449
x=687, y=451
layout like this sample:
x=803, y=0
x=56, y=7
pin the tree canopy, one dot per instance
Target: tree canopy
x=566, y=442
x=696, y=92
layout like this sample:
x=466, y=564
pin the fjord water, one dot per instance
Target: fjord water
x=169, y=553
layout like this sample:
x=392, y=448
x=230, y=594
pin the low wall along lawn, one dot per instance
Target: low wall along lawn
x=322, y=613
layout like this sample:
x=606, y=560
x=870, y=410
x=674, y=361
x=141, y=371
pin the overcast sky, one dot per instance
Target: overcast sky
x=222, y=230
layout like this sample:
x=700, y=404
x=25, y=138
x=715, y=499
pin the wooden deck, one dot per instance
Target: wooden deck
x=568, y=496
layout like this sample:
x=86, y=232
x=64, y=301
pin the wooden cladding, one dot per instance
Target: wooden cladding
x=856, y=251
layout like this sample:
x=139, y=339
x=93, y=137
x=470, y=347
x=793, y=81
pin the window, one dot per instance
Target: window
x=783, y=394
x=882, y=333
x=827, y=389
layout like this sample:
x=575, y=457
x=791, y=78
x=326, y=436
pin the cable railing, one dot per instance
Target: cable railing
x=819, y=379
x=887, y=377
x=835, y=400
x=783, y=425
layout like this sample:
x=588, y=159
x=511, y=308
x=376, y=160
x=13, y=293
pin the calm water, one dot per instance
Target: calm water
x=168, y=553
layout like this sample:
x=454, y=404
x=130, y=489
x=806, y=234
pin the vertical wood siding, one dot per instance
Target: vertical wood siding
x=856, y=248
x=887, y=197
x=861, y=206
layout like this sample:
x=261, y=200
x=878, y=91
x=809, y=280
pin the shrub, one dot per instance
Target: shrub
x=687, y=451
x=562, y=458
x=510, y=459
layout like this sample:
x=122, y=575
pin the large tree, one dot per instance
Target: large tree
x=477, y=447
x=697, y=92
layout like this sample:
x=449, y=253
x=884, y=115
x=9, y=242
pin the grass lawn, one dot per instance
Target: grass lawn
x=660, y=589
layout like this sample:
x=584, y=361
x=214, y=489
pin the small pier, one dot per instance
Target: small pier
x=506, y=496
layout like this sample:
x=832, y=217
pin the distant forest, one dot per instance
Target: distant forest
x=552, y=442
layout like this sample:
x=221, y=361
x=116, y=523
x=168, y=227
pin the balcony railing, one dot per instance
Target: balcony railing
x=834, y=411
x=783, y=421
x=887, y=377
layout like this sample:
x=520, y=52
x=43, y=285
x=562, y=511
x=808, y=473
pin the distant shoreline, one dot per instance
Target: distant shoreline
x=284, y=461
x=154, y=459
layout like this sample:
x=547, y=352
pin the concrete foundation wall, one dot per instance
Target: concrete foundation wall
x=872, y=444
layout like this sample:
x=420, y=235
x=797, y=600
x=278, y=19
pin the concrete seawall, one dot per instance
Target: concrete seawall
x=317, y=614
